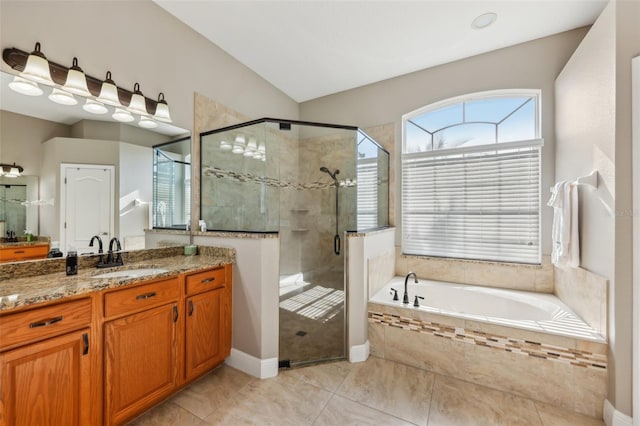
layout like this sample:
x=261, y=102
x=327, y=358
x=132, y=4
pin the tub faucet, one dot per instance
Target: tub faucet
x=405, y=298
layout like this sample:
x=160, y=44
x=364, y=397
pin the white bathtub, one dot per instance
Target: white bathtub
x=521, y=309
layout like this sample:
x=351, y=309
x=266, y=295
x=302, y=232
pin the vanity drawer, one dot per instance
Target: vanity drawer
x=141, y=297
x=41, y=323
x=207, y=280
x=14, y=254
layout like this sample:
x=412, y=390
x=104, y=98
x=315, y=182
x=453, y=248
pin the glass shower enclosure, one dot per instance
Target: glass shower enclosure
x=311, y=184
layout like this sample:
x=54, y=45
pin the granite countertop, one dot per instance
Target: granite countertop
x=17, y=292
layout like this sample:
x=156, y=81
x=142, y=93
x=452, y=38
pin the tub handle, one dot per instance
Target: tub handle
x=395, y=293
x=416, y=302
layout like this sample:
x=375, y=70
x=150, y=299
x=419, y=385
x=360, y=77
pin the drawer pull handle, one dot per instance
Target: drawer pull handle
x=45, y=322
x=146, y=296
x=207, y=280
x=85, y=341
x=190, y=307
x=175, y=313
x=18, y=251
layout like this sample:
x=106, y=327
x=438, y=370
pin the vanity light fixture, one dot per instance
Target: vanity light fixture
x=76, y=81
x=94, y=107
x=162, y=110
x=61, y=97
x=25, y=87
x=225, y=146
x=10, y=170
x=137, y=104
x=109, y=92
x=37, y=67
x=123, y=116
x=34, y=68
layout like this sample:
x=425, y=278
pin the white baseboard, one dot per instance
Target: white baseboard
x=256, y=367
x=613, y=417
x=359, y=353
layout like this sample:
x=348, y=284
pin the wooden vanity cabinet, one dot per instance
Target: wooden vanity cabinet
x=45, y=363
x=27, y=252
x=208, y=320
x=141, y=345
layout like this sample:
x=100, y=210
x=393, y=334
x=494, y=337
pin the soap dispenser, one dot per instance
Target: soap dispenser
x=72, y=263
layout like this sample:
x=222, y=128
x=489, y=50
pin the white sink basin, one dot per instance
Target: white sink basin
x=131, y=273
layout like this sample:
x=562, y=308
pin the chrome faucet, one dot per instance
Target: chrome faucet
x=100, y=258
x=118, y=259
x=405, y=298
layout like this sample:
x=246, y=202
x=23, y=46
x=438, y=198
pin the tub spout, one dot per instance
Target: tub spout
x=405, y=298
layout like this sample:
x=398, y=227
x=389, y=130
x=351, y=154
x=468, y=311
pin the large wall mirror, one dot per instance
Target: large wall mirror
x=61, y=149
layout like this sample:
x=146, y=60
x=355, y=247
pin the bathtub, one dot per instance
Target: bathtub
x=537, y=312
x=522, y=343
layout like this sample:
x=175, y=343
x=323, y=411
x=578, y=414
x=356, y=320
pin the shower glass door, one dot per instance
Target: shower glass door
x=317, y=206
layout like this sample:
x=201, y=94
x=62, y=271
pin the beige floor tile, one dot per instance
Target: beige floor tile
x=393, y=388
x=341, y=411
x=212, y=391
x=282, y=400
x=327, y=376
x=554, y=416
x=167, y=414
x=459, y=403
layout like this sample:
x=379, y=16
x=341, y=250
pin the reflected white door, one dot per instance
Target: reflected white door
x=87, y=206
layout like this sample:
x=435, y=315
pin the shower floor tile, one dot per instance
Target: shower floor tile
x=375, y=392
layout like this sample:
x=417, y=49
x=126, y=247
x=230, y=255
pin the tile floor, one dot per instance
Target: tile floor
x=375, y=392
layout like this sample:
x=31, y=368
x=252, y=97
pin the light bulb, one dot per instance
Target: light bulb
x=61, y=97
x=25, y=87
x=122, y=115
x=94, y=107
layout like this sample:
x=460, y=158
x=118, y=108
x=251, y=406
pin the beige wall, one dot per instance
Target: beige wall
x=148, y=46
x=21, y=139
x=532, y=65
x=594, y=131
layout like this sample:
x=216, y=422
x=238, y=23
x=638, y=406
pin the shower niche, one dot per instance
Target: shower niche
x=311, y=183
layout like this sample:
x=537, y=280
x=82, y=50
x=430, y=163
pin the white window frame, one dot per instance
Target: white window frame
x=537, y=141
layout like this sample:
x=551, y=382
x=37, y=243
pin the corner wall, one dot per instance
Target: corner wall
x=593, y=126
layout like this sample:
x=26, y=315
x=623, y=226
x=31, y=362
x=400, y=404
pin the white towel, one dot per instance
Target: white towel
x=564, y=234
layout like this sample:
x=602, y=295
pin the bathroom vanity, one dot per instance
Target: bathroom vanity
x=101, y=350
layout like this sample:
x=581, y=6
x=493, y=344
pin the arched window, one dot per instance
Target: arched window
x=471, y=178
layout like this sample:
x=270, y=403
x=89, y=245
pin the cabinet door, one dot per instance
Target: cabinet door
x=205, y=334
x=140, y=361
x=47, y=383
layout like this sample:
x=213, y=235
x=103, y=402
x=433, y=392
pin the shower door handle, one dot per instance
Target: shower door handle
x=336, y=244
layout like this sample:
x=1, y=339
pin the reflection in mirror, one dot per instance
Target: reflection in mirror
x=172, y=184
x=19, y=206
x=43, y=137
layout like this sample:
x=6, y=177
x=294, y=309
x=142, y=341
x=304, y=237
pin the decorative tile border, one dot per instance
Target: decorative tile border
x=574, y=357
x=273, y=182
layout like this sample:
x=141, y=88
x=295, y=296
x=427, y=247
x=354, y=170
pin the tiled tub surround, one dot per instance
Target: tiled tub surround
x=513, y=276
x=560, y=370
x=52, y=284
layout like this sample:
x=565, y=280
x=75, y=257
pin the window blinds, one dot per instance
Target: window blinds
x=481, y=203
x=367, y=193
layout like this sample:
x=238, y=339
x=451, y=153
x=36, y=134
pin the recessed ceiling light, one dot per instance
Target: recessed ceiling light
x=484, y=20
